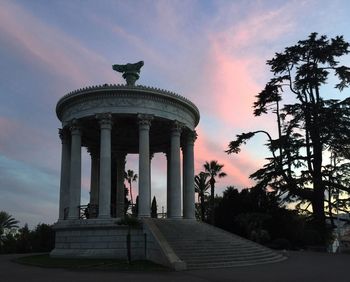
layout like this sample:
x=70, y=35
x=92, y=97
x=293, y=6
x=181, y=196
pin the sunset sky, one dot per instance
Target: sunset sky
x=211, y=52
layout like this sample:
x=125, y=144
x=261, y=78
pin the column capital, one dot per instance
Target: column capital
x=144, y=120
x=74, y=127
x=176, y=127
x=105, y=120
x=64, y=135
x=191, y=136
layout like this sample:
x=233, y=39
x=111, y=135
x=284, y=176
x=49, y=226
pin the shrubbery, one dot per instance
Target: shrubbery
x=23, y=240
x=256, y=215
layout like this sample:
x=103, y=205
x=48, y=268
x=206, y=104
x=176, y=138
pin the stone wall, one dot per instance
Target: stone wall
x=97, y=239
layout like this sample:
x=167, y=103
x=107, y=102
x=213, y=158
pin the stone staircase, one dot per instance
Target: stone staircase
x=200, y=245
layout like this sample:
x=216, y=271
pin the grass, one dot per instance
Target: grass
x=83, y=263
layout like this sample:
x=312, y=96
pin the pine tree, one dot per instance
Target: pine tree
x=309, y=129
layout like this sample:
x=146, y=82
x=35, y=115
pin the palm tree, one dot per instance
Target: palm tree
x=7, y=222
x=130, y=176
x=213, y=168
x=201, y=185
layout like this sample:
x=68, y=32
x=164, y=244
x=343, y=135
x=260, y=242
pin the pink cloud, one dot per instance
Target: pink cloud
x=237, y=167
x=231, y=86
x=262, y=26
x=235, y=68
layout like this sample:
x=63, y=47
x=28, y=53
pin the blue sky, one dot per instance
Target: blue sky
x=212, y=52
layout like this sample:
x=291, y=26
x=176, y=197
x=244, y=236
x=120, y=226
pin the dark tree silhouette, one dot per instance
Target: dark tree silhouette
x=135, y=208
x=7, y=222
x=154, y=208
x=308, y=129
x=130, y=176
x=127, y=203
x=214, y=169
x=201, y=186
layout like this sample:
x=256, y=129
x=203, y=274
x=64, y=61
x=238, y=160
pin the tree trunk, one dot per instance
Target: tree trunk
x=330, y=207
x=202, y=207
x=212, y=191
x=131, y=194
x=318, y=185
x=318, y=208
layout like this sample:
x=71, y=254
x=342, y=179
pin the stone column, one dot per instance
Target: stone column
x=168, y=202
x=188, y=176
x=94, y=177
x=105, y=166
x=65, y=171
x=114, y=185
x=75, y=172
x=120, y=185
x=144, y=169
x=175, y=173
x=150, y=178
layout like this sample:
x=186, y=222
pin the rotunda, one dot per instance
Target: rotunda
x=112, y=121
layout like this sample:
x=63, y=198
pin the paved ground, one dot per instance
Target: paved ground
x=300, y=266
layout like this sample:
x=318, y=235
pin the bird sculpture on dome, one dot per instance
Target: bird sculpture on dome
x=131, y=72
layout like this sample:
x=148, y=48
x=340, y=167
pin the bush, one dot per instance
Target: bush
x=41, y=239
x=8, y=244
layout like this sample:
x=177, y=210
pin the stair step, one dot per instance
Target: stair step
x=225, y=258
x=231, y=264
x=221, y=252
x=200, y=245
x=194, y=247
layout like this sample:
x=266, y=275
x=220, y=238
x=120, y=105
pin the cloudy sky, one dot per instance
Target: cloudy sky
x=212, y=52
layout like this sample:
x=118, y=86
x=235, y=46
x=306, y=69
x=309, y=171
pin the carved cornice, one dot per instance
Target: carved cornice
x=124, y=91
